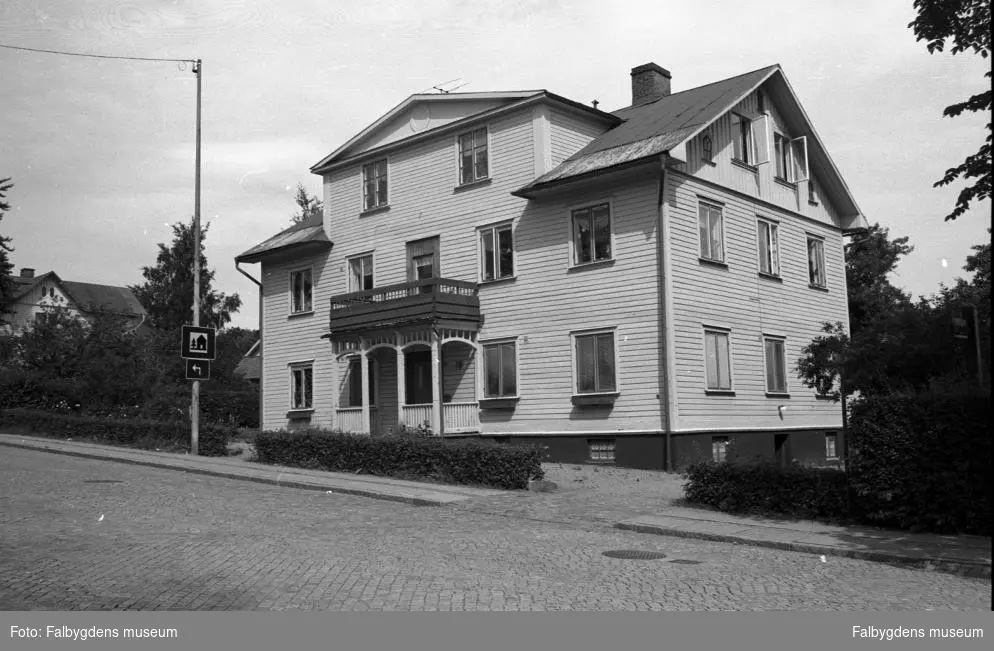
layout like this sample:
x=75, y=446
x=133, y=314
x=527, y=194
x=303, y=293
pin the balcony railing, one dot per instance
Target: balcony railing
x=416, y=301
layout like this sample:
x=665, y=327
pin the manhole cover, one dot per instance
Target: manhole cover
x=682, y=561
x=103, y=481
x=634, y=554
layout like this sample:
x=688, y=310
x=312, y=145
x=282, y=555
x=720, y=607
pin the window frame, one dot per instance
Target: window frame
x=744, y=130
x=372, y=270
x=773, y=391
x=812, y=194
x=575, y=362
x=810, y=239
x=707, y=148
x=727, y=333
x=459, y=155
x=719, y=443
x=720, y=207
x=834, y=438
x=380, y=204
x=606, y=447
x=483, y=366
x=292, y=292
x=772, y=244
x=301, y=367
x=783, y=152
x=590, y=206
x=494, y=229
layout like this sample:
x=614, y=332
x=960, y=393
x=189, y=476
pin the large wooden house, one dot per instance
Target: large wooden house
x=631, y=287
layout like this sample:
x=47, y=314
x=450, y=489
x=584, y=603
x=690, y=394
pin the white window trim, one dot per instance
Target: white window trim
x=835, y=444
x=775, y=258
x=789, y=171
x=704, y=350
x=362, y=185
x=374, y=400
x=290, y=276
x=481, y=370
x=726, y=441
x=613, y=330
x=296, y=366
x=509, y=223
x=348, y=268
x=724, y=245
x=808, y=237
x=736, y=134
x=490, y=161
x=766, y=371
x=571, y=236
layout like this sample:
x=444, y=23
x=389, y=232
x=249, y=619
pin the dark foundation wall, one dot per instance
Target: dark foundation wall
x=649, y=451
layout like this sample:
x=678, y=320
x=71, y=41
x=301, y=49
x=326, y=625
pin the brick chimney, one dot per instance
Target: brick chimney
x=649, y=83
x=27, y=272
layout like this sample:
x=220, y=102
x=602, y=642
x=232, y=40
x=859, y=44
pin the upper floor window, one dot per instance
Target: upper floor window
x=595, y=363
x=374, y=184
x=707, y=148
x=812, y=195
x=781, y=148
x=301, y=390
x=776, y=365
x=712, y=232
x=361, y=273
x=497, y=252
x=717, y=360
x=474, y=163
x=592, y=234
x=816, y=262
x=301, y=291
x=742, y=145
x=500, y=371
x=769, y=247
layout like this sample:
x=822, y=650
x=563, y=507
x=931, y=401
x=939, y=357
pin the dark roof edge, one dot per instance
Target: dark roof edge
x=529, y=191
x=251, y=258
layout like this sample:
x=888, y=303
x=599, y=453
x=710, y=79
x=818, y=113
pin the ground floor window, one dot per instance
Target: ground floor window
x=719, y=448
x=595, y=363
x=302, y=381
x=500, y=370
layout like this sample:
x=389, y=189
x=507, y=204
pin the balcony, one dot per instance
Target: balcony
x=449, y=303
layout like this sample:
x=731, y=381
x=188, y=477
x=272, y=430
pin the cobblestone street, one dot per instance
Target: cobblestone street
x=82, y=534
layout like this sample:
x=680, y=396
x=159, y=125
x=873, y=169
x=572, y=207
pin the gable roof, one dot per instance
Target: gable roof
x=86, y=296
x=508, y=100
x=307, y=234
x=665, y=125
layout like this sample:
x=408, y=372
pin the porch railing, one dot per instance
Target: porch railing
x=349, y=419
x=415, y=415
x=415, y=301
x=461, y=417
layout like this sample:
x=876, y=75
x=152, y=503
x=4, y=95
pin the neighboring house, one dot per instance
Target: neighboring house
x=250, y=366
x=631, y=287
x=37, y=296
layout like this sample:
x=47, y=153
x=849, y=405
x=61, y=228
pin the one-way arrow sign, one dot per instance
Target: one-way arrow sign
x=198, y=369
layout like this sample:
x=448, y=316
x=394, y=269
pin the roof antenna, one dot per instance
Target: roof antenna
x=441, y=88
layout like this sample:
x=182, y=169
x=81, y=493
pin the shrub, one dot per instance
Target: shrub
x=763, y=487
x=923, y=462
x=452, y=461
x=144, y=434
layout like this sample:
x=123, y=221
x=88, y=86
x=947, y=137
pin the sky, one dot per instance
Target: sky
x=102, y=151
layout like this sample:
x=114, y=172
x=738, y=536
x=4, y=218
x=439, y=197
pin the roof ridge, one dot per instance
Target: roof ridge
x=688, y=90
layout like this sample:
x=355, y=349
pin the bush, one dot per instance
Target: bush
x=923, y=462
x=144, y=434
x=763, y=487
x=451, y=461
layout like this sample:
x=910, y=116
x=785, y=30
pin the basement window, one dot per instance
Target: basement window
x=601, y=450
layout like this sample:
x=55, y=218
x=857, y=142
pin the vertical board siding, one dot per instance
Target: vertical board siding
x=570, y=135
x=737, y=298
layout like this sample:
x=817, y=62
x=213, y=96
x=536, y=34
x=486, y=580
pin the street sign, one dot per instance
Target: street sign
x=197, y=343
x=198, y=369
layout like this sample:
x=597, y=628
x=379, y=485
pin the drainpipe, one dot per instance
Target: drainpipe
x=662, y=232
x=261, y=344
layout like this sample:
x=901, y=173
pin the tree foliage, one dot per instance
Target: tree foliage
x=167, y=293
x=308, y=206
x=7, y=286
x=967, y=24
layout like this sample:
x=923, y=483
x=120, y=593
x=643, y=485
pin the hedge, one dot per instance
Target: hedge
x=145, y=434
x=923, y=462
x=466, y=462
x=762, y=487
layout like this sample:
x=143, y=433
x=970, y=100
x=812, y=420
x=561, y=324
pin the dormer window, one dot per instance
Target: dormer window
x=742, y=139
x=474, y=163
x=707, y=150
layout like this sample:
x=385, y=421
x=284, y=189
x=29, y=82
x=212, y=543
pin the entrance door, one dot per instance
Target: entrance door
x=781, y=449
x=423, y=261
x=417, y=380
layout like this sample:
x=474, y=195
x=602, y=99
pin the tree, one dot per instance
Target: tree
x=975, y=292
x=232, y=344
x=870, y=260
x=967, y=23
x=7, y=286
x=167, y=293
x=309, y=206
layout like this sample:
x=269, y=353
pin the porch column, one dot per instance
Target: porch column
x=401, y=380
x=366, y=424
x=436, y=387
x=333, y=372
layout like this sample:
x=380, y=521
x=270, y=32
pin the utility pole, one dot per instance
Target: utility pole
x=195, y=407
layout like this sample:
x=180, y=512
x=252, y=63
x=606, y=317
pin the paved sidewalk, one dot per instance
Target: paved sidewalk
x=613, y=497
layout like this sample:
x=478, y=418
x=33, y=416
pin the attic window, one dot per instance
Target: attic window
x=707, y=152
x=742, y=138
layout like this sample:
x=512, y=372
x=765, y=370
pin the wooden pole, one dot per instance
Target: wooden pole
x=195, y=407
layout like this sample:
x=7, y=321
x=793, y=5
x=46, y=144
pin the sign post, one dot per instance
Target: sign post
x=195, y=403
x=197, y=347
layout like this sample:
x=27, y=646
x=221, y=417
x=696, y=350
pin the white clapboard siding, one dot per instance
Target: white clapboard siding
x=570, y=134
